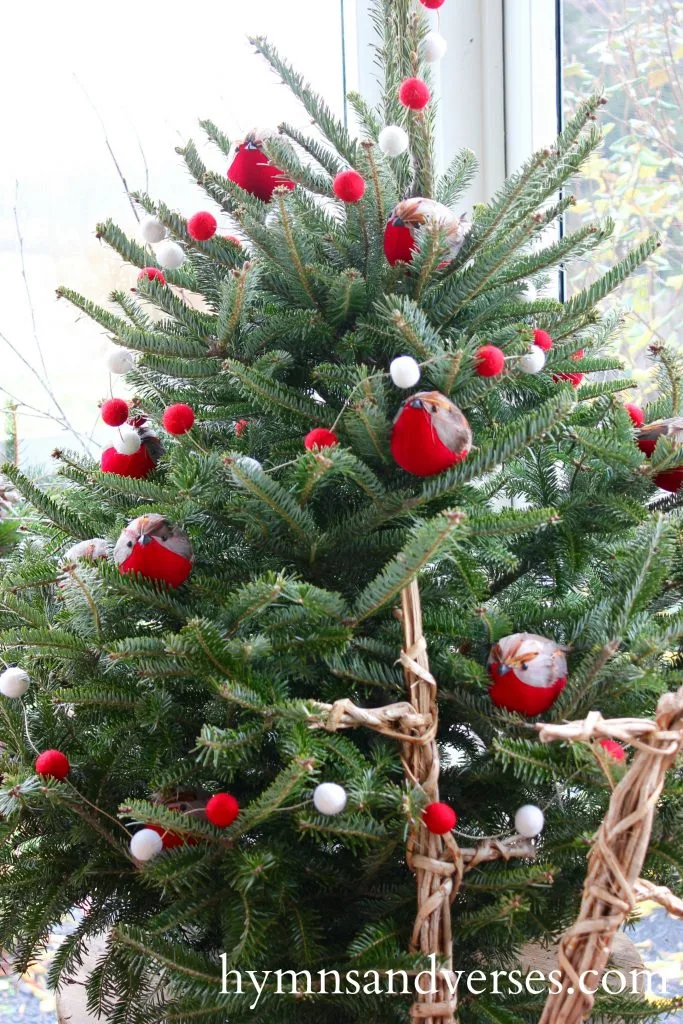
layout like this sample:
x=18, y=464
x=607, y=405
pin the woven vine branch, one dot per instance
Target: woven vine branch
x=613, y=885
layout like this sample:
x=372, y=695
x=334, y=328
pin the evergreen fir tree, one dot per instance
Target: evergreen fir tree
x=159, y=697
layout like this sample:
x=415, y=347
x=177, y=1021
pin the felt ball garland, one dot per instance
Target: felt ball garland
x=222, y=809
x=439, y=818
x=614, y=749
x=152, y=274
x=393, y=140
x=53, y=764
x=533, y=361
x=240, y=427
x=636, y=413
x=178, y=419
x=14, y=682
x=489, y=361
x=146, y=844
x=404, y=371
x=319, y=438
x=432, y=5
x=202, y=226
x=170, y=255
x=120, y=361
x=151, y=229
x=529, y=821
x=414, y=93
x=349, y=186
x=329, y=798
x=543, y=340
x=114, y=412
x=434, y=47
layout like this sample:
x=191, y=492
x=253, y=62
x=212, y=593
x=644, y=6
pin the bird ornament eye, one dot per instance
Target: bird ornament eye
x=524, y=666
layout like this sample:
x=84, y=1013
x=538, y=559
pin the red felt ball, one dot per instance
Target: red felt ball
x=489, y=361
x=135, y=466
x=414, y=93
x=53, y=764
x=241, y=426
x=349, y=186
x=433, y=5
x=636, y=413
x=235, y=241
x=152, y=274
x=439, y=818
x=178, y=418
x=321, y=437
x=222, y=809
x=543, y=340
x=575, y=378
x=202, y=226
x=114, y=412
x=253, y=172
x=614, y=749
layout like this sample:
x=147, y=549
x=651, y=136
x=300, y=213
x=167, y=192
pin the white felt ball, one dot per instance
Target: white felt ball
x=404, y=371
x=247, y=462
x=146, y=844
x=529, y=821
x=151, y=229
x=127, y=441
x=533, y=361
x=434, y=47
x=120, y=361
x=170, y=255
x=329, y=798
x=393, y=140
x=14, y=682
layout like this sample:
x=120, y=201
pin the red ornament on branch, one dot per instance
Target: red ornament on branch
x=575, y=378
x=202, y=226
x=414, y=93
x=430, y=434
x=141, y=462
x=152, y=274
x=647, y=436
x=319, y=438
x=636, y=413
x=433, y=5
x=178, y=418
x=489, y=361
x=528, y=672
x=349, y=186
x=439, y=818
x=114, y=412
x=222, y=809
x=53, y=764
x=543, y=340
x=400, y=234
x=614, y=749
x=252, y=170
x=151, y=546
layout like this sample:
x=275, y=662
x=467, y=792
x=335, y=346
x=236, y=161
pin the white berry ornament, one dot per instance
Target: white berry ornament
x=533, y=361
x=393, y=140
x=146, y=844
x=434, y=47
x=120, y=361
x=529, y=821
x=329, y=798
x=128, y=441
x=14, y=682
x=404, y=371
x=152, y=230
x=170, y=255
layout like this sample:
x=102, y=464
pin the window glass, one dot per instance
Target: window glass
x=634, y=49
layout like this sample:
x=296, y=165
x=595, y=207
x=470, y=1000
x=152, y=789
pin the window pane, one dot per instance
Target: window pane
x=139, y=77
x=631, y=47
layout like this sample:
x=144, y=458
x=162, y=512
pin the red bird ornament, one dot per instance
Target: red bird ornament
x=647, y=437
x=430, y=434
x=528, y=673
x=409, y=215
x=151, y=546
x=252, y=170
x=142, y=462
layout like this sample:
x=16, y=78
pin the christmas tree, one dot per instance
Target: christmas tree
x=288, y=659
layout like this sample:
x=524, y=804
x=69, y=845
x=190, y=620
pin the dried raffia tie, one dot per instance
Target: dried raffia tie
x=436, y=860
x=613, y=885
